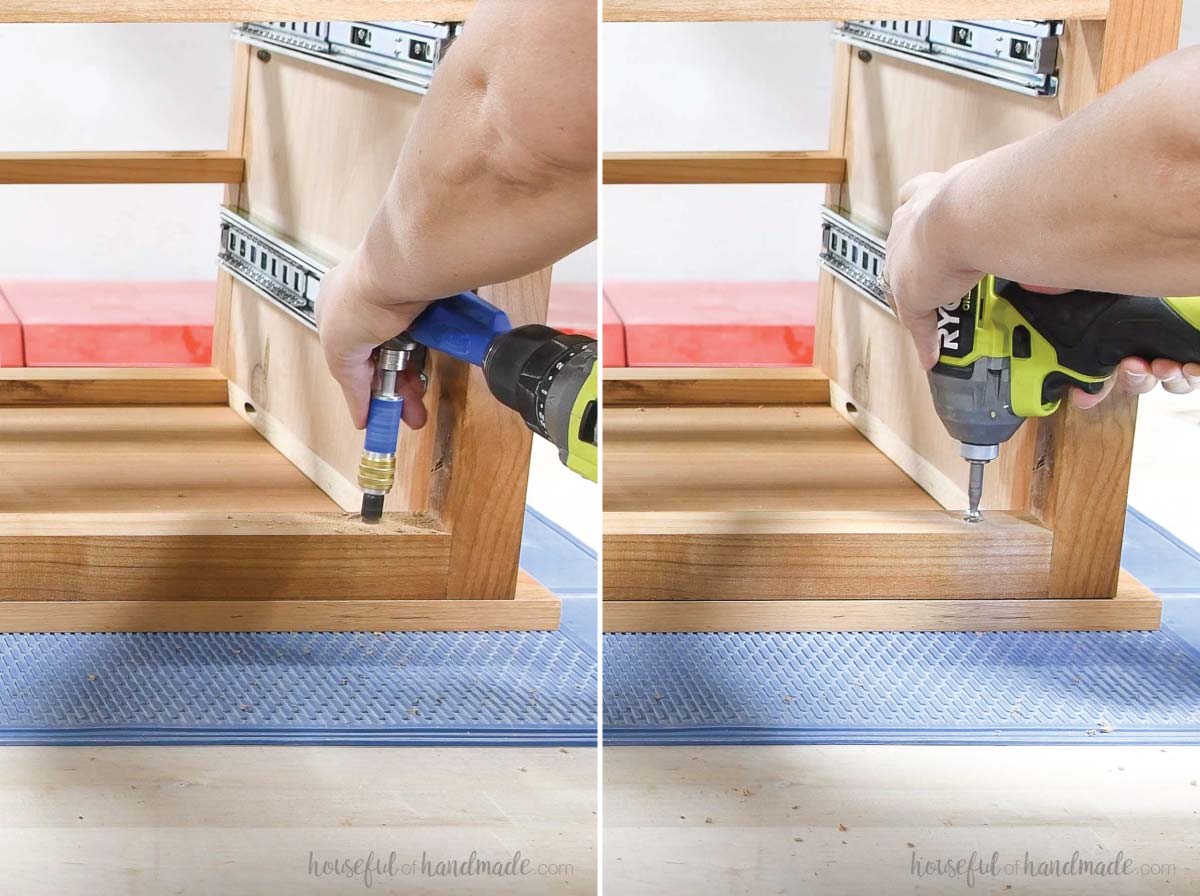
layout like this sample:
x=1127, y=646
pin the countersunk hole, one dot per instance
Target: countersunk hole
x=249, y=408
x=851, y=408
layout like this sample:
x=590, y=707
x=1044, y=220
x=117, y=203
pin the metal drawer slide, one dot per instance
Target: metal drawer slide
x=403, y=54
x=1016, y=54
x=274, y=269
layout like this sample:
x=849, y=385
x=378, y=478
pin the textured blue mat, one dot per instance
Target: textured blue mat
x=423, y=688
x=946, y=688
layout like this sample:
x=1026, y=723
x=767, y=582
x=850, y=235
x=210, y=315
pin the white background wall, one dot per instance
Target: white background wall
x=97, y=87
x=703, y=86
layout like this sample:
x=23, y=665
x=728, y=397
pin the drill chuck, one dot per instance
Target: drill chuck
x=542, y=374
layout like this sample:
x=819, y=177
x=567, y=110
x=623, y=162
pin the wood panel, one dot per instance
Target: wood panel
x=111, y=386
x=534, y=608
x=812, y=167
x=481, y=460
x=201, y=167
x=179, y=556
x=1083, y=462
x=1133, y=608
x=827, y=10
x=279, y=385
x=144, y=459
x=236, y=143
x=320, y=150
x=748, y=459
x=51, y=11
x=821, y=556
x=694, y=386
x=902, y=120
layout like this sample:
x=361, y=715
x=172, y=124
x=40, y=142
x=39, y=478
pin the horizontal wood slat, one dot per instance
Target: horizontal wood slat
x=232, y=10
x=832, y=10
x=807, y=167
x=182, y=557
x=534, y=608
x=1134, y=608
x=713, y=386
x=107, y=386
x=782, y=555
x=203, y=167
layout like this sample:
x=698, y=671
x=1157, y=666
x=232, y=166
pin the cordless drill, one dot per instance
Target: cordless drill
x=1007, y=354
x=548, y=377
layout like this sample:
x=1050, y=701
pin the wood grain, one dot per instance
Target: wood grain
x=822, y=556
x=694, y=386
x=236, y=143
x=747, y=459
x=534, y=608
x=868, y=354
x=1134, y=608
x=481, y=465
x=51, y=11
x=827, y=10
x=807, y=167
x=144, y=459
x=200, y=167
x=1081, y=479
x=112, y=386
x=227, y=557
x=320, y=150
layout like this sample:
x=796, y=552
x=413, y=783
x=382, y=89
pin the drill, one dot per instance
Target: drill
x=548, y=377
x=1007, y=354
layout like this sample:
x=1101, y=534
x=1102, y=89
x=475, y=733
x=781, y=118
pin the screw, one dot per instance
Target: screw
x=864, y=55
x=264, y=56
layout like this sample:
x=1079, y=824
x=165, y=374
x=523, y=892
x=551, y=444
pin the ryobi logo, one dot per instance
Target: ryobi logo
x=948, y=326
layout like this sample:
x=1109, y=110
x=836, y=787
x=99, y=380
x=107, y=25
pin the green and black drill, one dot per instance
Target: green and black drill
x=1008, y=354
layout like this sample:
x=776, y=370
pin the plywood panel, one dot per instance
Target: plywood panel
x=903, y=120
x=279, y=384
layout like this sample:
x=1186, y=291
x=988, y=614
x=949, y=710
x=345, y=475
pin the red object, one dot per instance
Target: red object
x=12, y=341
x=115, y=324
x=613, y=346
x=716, y=324
x=573, y=308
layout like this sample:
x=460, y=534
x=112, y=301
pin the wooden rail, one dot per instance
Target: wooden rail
x=832, y=10
x=232, y=10
x=201, y=167
x=804, y=167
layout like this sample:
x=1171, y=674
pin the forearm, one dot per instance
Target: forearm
x=1107, y=200
x=487, y=187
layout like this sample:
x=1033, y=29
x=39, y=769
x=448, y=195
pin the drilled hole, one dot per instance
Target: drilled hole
x=249, y=408
x=851, y=408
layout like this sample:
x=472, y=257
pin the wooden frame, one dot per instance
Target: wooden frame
x=225, y=498
x=851, y=516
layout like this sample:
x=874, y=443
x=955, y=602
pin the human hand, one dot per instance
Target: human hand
x=921, y=270
x=352, y=320
x=1133, y=376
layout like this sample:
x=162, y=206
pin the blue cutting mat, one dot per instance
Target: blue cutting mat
x=946, y=688
x=393, y=689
